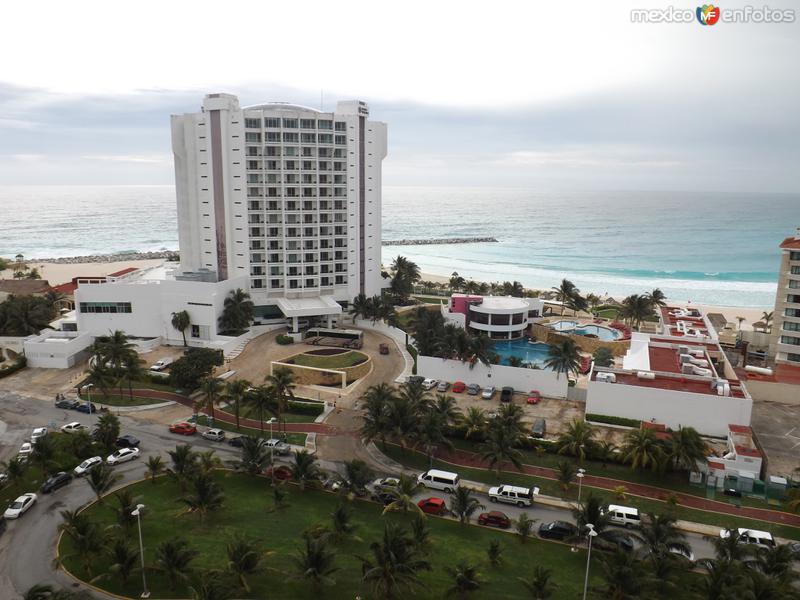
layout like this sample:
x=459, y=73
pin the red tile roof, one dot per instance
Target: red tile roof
x=791, y=243
x=716, y=465
x=68, y=289
x=123, y=272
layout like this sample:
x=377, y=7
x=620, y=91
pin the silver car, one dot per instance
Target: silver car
x=279, y=447
x=488, y=392
x=443, y=386
x=473, y=389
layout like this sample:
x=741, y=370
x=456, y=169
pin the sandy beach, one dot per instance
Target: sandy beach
x=57, y=273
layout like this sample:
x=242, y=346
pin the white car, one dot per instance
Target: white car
x=278, y=447
x=73, y=427
x=25, y=450
x=215, y=435
x=37, y=434
x=429, y=384
x=87, y=465
x=3, y=478
x=488, y=392
x=386, y=482
x=20, y=506
x=123, y=455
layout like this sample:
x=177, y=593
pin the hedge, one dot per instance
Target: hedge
x=17, y=366
x=614, y=420
x=306, y=408
x=413, y=352
x=284, y=340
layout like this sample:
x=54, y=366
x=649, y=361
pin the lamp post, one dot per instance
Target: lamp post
x=589, y=534
x=138, y=514
x=580, y=475
x=271, y=448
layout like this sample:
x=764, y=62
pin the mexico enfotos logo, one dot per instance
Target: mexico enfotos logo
x=710, y=14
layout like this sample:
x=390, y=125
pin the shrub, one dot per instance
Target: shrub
x=610, y=420
x=187, y=371
x=17, y=366
x=306, y=408
x=284, y=340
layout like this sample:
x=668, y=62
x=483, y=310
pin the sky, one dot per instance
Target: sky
x=566, y=96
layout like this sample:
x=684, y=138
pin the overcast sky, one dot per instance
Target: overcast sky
x=543, y=95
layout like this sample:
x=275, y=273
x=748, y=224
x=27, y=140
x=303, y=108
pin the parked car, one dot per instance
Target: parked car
x=385, y=483
x=507, y=394
x=86, y=407
x=237, y=441
x=56, y=481
x=127, y=441
x=539, y=428
x=383, y=348
x=513, y=494
x=429, y=384
x=3, y=479
x=473, y=389
x=443, y=386
x=214, y=434
x=622, y=542
x=183, y=428
x=415, y=379
x=278, y=446
x=37, y=434
x=439, y=480
x=87, y=465
x=122, y=455
x=488, y=392
x=762, y=539
x=383, y=497
x=432, y=506
x=281, y=473
x=626, y=516
x=557, y=530
x=533, y=397
x=66, y=403
x=494, y=518
x=73, y=427
x=25, y=450
x=20, y=506
x=161, y=364
x=459, y=387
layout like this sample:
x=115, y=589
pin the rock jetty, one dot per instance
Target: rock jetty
x=107, y=258
x=434, y=241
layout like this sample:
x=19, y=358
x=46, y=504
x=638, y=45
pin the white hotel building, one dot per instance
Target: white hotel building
x=279, y=199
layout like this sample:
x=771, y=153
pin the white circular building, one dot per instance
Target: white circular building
x=499, y=317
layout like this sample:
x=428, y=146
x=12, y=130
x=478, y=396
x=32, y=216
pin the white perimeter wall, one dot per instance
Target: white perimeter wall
x=708, y=414
x=522, y=380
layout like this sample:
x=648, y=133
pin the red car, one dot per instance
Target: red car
x=432, y=506
x=183, y=428
x=534, y=397
x=459, y=387
x=281, y=473
x=494, y=518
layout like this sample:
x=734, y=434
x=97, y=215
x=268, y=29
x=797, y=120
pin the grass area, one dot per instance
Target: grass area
x=249, y=412
x=334, y=361
x=431, y=299
x=248, y=511
x=124, y=400
x=417, y=460
x=297, y=439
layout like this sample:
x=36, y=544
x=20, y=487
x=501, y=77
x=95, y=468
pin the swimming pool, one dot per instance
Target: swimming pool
x=534, y=353
x=573, y=327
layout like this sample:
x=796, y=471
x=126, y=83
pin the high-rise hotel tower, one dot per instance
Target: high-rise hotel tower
x=286, y=195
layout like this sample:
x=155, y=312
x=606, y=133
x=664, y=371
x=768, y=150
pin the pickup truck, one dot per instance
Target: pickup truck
x=161, y=364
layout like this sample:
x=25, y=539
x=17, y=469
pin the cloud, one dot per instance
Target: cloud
x=158, y=159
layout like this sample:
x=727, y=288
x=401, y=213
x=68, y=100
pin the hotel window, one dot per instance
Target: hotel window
x=290, y=137
x=271, y=122
x=796, y=270
x=792, y=312
x=307, y=124
x=341, y=126
x=308, y=151
x=272, y=150
x=105, y=307
x=793, y=357
x=290, y=123
x=339, y=153
x=325, y=138
x=791, y=340
x=308, y=138
x=793, y=298
x=794, y=255
x=290, y=151
x=341, y=140
x=196, y=328
x=252, y=137
x=252, y=123
x=325, y=124
x=273, y=136
x=794, y=284
x=787, y=326
x=273, y=165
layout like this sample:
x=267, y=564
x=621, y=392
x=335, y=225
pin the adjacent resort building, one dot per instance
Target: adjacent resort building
x=785, y=343
x=499, y=317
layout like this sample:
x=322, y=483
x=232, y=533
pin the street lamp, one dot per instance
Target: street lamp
x=138, y=514
x=271, y=448
x=580, y=475
x=590, y=534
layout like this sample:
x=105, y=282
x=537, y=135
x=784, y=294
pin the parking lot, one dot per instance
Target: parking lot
x=777, y=427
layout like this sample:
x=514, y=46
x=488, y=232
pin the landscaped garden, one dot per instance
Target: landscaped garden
x=328, y=358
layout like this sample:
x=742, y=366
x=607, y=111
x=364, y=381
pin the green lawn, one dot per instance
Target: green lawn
x=124, y=400
x=298, y=439
x=549, y=487
x=335, y=361
x=431, y=299
x=248, y=511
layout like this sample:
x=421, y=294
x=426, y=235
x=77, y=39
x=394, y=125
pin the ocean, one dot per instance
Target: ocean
x=711, y=248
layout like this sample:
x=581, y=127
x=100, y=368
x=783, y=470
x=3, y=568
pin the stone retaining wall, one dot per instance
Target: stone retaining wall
x=304, y=375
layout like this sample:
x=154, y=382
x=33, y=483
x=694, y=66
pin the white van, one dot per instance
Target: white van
x=439, y=480
x=623, y=515
x=512, y=494
x=763, y=539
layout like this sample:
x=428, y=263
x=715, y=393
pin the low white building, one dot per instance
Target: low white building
x=499, y=317
x=57, y=349
x=741, y=458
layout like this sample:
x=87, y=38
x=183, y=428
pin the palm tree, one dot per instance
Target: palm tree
x=431, y=433
x=564, y=292
x=514, y=361
x=394, y=563
x=315, y=561
x=173, y=558
x=657, y=298
x=244, y=559
x=466, y=579
x=14, y=469
x=494, y=552
x=540, y=586
x=457, y=282
x=563, y=357
x=181, y=321
x=447, y=407
x=212, y=389
x=403, y=496
x=211, y=585
x=577, y=440
x=625, y=576
x=207, y=461
x=723, y=580
x=420, y=533
x=254, y=457
x=235, y=390
x=729, y=548
x=359, y=307
x=642, y=449
x=661, y=542
x=686, y=448
x=101, y=478
x=474, y=421
x=263, y=398
x=184, y=464
x=126, y=504
x=524, y=526
x=155, y=466
x=237, y=311
x=282, y=381
x=636, y=308
x=777, y=563
x=767, y=317
x=114, y=351
x=342, y=522
x=206, y=495
x=565, y=471
x=44, y=453
x=132, y=369
x=305, y=468
x=603, y=357
x=357, y=475
x=123, y=560
x=101, y=376
x=376, y=402
x=405, y=274
x=86, y=539
x=107, y=431
x=464, y=504
x=498, y=447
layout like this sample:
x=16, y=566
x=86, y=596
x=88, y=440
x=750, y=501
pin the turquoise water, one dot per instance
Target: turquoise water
x=604, y=333
x=535, y=354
